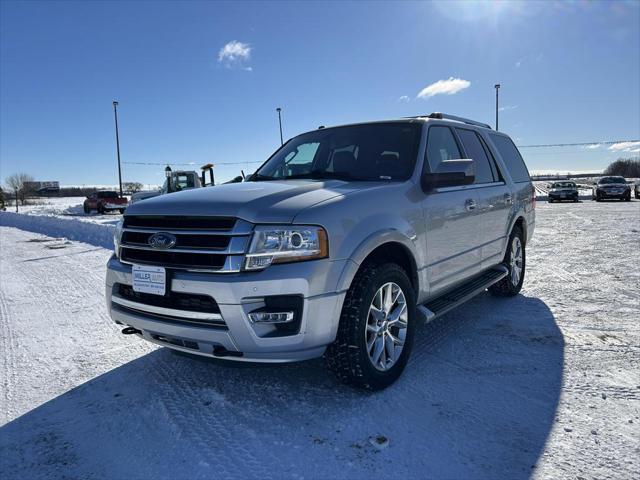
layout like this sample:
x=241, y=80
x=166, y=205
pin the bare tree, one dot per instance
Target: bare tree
x=625, y=167
x=131, y=187
x=16, y=183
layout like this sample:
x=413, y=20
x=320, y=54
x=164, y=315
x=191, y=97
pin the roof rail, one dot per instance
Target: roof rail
x=445, y=116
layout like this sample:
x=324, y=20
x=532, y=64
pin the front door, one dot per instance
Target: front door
x=454, y=238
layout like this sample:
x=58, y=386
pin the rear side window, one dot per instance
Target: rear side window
x=107, y=194
x=441, y=146
x=474, y=150
x=512, y=158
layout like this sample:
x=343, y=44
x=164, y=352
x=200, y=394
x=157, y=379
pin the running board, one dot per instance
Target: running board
x=450, y=300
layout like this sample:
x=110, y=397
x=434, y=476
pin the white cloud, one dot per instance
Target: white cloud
x=593, y=146
x=507, y=107
x=404, y=99
x=444, y=87
x=632, y=147
x=235, y=55
x=518, y=63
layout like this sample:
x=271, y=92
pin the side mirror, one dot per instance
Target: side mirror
x=450, y=173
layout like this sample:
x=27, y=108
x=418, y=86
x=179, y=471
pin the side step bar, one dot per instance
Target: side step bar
x=448, y=301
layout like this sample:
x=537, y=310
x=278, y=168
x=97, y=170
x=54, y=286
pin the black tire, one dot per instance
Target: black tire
x=121, y=210
x=506, y=287
x=347, y=356
x=86, y=209
x=627, y=198
x=100, y=209
x=598, y=199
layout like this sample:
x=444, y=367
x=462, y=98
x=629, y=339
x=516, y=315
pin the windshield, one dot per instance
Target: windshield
x=612, y=180
x=564, y=185
x=373, y=152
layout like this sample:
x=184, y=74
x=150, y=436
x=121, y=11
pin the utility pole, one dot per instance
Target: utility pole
x=280, y=123
x=497, y=87
x=115, y=113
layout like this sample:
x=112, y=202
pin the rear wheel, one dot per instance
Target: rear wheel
x=376, y=328
x=515, y=261
x=627, y=197
x=100, y=209
x=86, y=208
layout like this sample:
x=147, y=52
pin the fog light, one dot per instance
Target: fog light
x=271, y=317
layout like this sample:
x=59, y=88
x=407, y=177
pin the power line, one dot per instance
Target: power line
x=547, y=145
x=191, y=164
x=608, y=142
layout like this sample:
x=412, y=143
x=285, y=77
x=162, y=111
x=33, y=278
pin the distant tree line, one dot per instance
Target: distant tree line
x=624, y=167
x=19, y=185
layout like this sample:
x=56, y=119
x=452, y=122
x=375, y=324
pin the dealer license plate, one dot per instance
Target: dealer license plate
x=147, y=279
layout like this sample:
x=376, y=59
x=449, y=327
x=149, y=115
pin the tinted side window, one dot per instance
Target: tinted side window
x=474, y=150
x=441, y=145
x=512, y=158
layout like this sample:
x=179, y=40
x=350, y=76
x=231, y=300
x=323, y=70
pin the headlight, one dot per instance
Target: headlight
x=117, y=234
x=283, y=244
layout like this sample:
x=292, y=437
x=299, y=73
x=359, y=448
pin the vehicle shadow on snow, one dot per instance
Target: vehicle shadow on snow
x=477, y=400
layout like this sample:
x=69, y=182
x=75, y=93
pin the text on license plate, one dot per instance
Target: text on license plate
x=147, y=279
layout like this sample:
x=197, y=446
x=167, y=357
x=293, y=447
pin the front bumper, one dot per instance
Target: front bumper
x=563, y=195
x=236, y=296
x=613, y=194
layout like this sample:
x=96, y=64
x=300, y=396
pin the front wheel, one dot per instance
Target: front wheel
x=376, y=328
x=86, y=209
x=515, y=261
x=100, y=209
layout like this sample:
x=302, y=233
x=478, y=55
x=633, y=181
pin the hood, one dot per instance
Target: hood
x=615, y=185
x=256, y=202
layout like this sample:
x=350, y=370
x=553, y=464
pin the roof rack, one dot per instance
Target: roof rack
x=445, y=116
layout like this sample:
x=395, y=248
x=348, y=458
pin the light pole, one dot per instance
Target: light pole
x=497, y=87
x=280, y=123
x=115, y=113
x=167, y=173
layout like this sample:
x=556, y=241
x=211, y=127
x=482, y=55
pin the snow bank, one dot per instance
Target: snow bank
x=98, y=234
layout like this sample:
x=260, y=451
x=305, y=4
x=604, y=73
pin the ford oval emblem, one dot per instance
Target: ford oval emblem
x=162, y=240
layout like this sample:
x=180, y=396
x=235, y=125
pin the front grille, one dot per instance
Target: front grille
x=215, y=244
x=179, y=222
x=168, y=258
x=176, y=300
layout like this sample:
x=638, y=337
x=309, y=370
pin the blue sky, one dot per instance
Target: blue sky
x=569, y=73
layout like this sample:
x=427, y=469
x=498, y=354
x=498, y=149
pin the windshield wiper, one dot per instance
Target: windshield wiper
x=256, y=177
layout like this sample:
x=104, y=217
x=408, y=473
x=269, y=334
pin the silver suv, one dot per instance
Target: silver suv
x=338, y=245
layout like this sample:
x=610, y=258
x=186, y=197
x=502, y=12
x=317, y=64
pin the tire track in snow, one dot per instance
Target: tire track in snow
x=205, y=424
x=8, y=360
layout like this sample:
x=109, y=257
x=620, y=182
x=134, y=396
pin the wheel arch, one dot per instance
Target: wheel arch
x=389, y=246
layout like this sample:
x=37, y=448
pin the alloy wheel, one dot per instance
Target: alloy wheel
x=386, y=326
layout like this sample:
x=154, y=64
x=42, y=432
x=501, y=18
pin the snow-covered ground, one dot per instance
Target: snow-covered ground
x=543, y=385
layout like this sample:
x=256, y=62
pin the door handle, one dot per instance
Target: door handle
x=470, y=204
x=508, y=199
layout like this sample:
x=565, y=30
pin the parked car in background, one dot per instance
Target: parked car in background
x=611, y=187
x=636, y=191
x=565, y=190
x=340, y=243
x=105, y=201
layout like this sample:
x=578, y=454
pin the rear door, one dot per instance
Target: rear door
x=494, y=197
x=453, y=240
